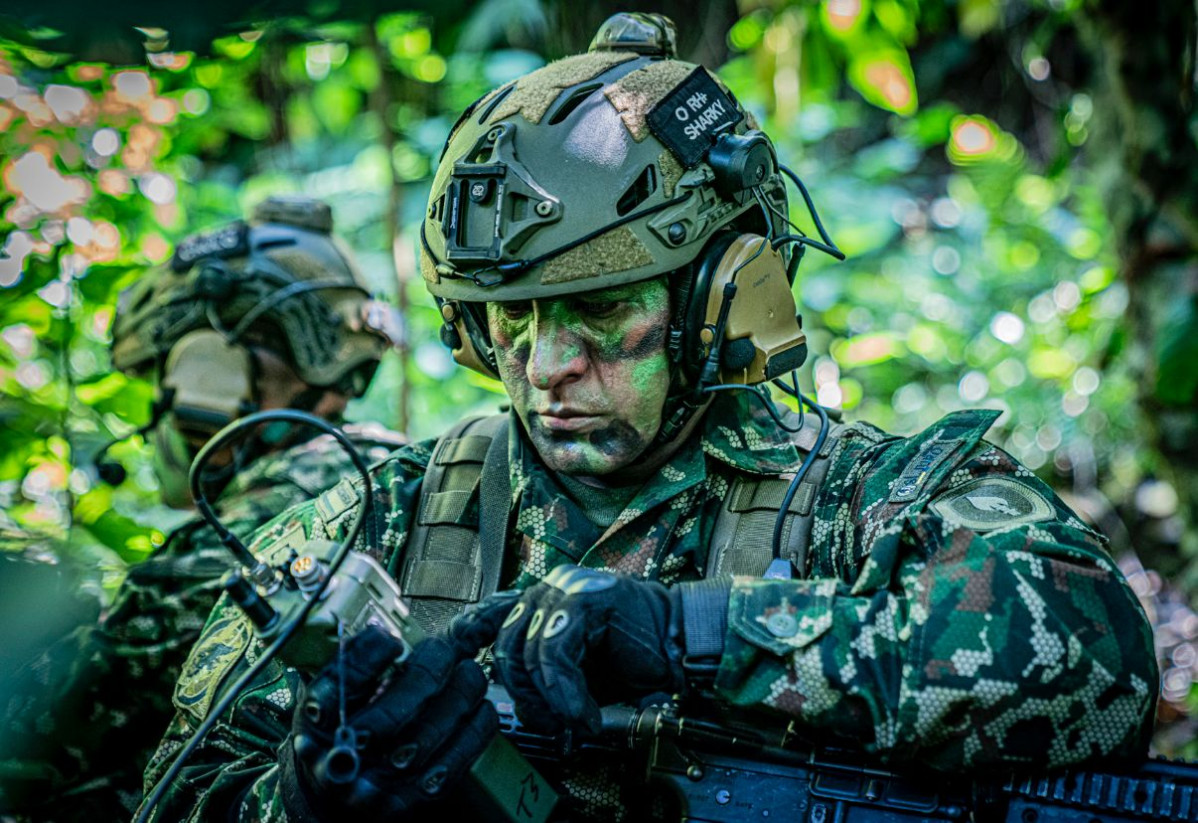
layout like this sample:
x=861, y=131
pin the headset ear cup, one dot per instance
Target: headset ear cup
x=694, y=318
x=763, y=336
x=465, y=335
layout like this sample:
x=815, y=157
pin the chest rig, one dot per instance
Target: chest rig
x=456, y=551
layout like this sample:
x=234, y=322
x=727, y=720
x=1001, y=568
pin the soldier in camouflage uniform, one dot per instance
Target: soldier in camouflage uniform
x=597, y=237
x=213, y=334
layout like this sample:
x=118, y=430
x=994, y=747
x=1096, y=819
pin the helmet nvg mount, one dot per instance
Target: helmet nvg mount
x=612, y=167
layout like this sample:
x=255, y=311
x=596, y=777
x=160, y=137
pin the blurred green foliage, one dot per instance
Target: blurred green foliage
x=944, y=144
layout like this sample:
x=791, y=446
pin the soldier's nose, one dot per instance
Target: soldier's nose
x=556, y=357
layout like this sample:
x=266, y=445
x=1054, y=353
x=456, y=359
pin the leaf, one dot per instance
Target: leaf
x=131, y=404
x=94, y=514
x=336, y=103
x=883, y=77
x=100, y=282
x=1177, y=352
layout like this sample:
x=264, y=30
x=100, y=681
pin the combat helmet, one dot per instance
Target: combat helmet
x=612, y=167
x=281, y=280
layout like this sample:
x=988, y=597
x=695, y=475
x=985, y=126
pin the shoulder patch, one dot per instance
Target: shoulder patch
x=335, y=503
x=218, y=650
x=916, y=473
x=991, y=503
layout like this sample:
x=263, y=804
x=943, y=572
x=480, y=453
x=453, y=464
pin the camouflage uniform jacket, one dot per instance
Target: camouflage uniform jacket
x=958, y=635
x=105, y=693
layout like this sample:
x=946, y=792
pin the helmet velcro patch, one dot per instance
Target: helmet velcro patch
x=295, y=210
x=534, y=93
x=428, y=269
x=671, y=172
x=637, y=92
x=300, y=265
x=615, y=251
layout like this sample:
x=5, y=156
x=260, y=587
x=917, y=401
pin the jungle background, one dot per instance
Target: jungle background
x=1015, y=185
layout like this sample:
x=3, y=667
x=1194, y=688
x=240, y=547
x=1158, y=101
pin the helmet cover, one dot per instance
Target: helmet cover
x=594, y=171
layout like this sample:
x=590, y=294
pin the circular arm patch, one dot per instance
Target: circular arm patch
x=991, y=503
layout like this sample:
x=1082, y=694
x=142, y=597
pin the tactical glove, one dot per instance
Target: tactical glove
x=578, y=639
x=411, y=731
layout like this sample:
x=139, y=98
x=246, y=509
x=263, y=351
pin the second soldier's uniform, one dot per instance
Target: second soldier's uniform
x=266, y=313
x=102, y=697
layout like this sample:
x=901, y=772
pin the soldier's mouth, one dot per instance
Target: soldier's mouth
x=566, y=420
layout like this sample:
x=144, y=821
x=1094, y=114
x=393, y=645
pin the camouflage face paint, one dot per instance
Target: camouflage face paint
x=588, y=374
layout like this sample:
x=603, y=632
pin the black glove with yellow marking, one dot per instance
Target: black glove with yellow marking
x=577, y=640
x=410, y=732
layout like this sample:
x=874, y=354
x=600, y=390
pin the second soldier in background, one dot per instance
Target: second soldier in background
x=266, y=314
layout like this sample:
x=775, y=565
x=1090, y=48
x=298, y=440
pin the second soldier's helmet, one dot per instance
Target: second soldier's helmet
x=608, y=168
x=280, y=280
x=280, y=283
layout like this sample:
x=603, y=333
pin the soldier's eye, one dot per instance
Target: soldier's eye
x=515, y=309
x=599, y=309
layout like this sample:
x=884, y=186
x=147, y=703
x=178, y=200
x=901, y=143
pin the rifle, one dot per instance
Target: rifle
x=719, y=772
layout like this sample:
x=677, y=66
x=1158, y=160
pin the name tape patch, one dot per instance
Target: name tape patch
x=691, y=117
x=916, y=473
x=335, y=504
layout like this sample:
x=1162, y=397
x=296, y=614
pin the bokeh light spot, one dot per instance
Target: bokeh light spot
x=946, y=213
x=32, y=376
x=196, y=101
x=973, y=387
x=132, y=86
x=79, y=231
x=106, y=142
x=1066, y=296
x=843, y=14
x=158, y=188
x=57, y=294
x=1007, y=327
x=67, y=102
x=1086, y=380
x=32, y=175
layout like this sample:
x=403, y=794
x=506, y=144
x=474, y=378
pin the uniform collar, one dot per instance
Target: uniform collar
x=739, y=432
x=736, y=431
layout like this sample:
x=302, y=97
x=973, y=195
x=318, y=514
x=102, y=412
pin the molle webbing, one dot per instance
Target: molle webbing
x=742, y=541
x=444, y=567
